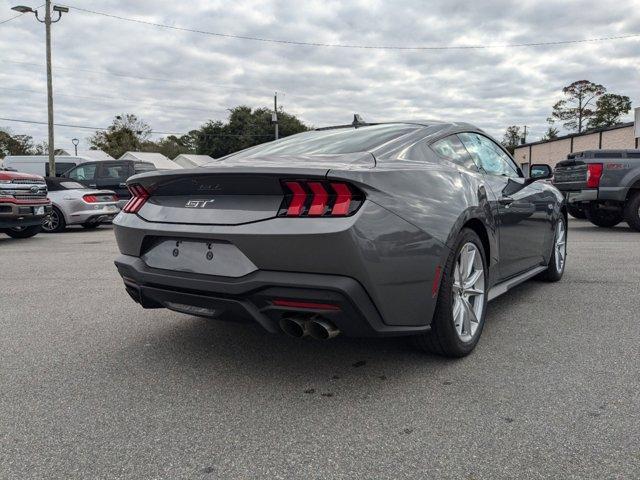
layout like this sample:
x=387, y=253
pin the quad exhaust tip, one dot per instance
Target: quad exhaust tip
x=316, y=327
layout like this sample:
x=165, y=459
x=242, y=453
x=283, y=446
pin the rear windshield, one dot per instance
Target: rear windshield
x=143, y=167
x=71, y=185
x=333, y=141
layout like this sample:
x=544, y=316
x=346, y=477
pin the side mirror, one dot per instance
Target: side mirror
x=540, y=171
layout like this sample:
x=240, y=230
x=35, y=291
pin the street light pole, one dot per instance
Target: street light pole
x=47, y=24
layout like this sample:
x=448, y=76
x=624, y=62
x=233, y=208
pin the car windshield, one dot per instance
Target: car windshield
x=71, y=185
x=332, y=141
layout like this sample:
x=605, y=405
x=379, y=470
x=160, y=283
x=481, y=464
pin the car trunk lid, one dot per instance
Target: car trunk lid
x=234, y=192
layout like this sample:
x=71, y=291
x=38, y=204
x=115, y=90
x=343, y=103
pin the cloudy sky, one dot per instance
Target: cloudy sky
x=177, y=80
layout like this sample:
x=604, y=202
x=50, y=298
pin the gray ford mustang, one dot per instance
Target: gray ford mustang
x=403, y=228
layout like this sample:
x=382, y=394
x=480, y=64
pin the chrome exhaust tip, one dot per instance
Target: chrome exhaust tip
x=294, y=327
x=322, y=329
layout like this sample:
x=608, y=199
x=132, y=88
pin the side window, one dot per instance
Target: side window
x=84, y=172
x=488, y=155
x=114, y=170
x=452, y=149
x=61, y=167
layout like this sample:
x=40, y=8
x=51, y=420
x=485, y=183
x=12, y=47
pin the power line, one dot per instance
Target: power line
x=356, y=46
x=11, y=18
x=86, y=127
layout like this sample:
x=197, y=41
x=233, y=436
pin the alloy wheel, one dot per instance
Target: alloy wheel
x=468, y=291
x=561, y=245
x=51, y=222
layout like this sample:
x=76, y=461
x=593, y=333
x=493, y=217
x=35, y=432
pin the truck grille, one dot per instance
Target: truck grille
x=27, y=181
x=30, y=196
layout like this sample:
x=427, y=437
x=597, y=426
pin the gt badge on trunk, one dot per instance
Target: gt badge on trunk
x=198, y=203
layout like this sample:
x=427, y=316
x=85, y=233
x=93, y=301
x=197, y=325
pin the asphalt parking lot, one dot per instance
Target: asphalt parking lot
x=92, y=386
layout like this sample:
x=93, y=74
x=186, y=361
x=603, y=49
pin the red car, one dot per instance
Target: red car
x=23, y=204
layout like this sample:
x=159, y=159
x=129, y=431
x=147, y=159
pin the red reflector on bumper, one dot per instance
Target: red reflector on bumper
x=309, y=305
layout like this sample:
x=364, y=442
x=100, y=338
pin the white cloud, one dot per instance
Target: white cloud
x=189, y=78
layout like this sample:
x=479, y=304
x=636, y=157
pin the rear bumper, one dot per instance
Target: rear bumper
x=617, y=194
x=250, y=297
x=101, y=215
x=393, y=261
x=21, y=215
x=579, y=196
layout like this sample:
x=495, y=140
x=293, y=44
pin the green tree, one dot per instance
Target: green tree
x=511, y=138
x=15, y=144
x=609, y=108
x=577, y=108
x=244, y=128
x=170, y=146
x=127, y=132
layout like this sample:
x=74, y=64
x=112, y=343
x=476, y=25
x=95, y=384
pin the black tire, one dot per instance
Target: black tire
x=576, y=211
x=602, y=217
x=443, y=339
x=55, y=223
x=23, y=232
x=554, y=273
x=632, y=211
x=90, y=226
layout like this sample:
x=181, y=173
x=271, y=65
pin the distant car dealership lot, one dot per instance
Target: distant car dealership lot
x=93, y=386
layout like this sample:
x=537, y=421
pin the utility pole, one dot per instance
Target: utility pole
x=47, y=24
x=524, y=136
x=274, y=118
x=47, y=27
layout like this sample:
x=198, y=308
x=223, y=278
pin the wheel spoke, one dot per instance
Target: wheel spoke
x=472, y=292
x=472, y=313
x=457, y=311
x=466, y=318
x=471, y=280
x=469, y=258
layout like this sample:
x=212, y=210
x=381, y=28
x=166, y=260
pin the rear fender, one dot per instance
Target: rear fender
x=435, y=198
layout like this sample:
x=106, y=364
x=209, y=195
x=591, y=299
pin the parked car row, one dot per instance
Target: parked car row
x=87, y=194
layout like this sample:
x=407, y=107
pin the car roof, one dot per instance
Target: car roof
x=449, y=125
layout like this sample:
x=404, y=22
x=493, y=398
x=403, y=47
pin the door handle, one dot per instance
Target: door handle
x=506, y=201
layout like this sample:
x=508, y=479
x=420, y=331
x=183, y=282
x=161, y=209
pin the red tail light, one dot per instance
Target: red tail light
x=313, y=198
x=138, y=198
x=594, y=173
x=89, y=198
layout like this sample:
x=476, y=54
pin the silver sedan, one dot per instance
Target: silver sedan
x=75, y=204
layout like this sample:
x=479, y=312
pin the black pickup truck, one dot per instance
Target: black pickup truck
x=602, y=186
